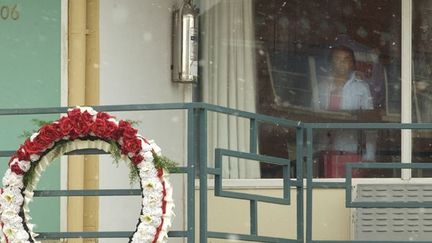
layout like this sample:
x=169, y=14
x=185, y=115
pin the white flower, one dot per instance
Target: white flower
x=21, y=235
x=156, y=148
x=145, y=233
x=11, y=196
x=15, y=234
x=113, y=120
x=148, y=185
x=145, y=146
x=144, y=166
x=12, y=179
x=11, y=217
x=24, y=165
x=152, y=185
x=147, y=170
x=142, y=236
x=34, y=157
x=9, y=231
x=152, y=198
x=147, y=219
x=90, y=110
x=148, y=156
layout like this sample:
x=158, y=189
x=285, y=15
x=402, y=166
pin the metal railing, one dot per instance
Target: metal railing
x=197, y=136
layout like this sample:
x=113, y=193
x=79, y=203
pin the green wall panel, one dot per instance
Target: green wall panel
x=30, y=64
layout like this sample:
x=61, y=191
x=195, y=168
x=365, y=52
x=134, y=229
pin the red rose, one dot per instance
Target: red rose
x=81, y=122
x=40, y=143
x=103, y=115
x=22, y=154
x=111, y=128
x=121, y=127
x=99, y=128
x=87, y=118
x=49, y=133
x=65, y=125
x=129, y=133
x=137, y=159
x=74, y=114
x=131, y=146
x=32, y=147
x=81, y=127
x=16, y=169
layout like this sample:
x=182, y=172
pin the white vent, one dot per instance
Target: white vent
x=402, y=224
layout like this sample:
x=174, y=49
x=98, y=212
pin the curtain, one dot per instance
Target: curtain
x=229, y=79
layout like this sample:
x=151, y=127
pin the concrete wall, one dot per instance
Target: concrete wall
x=135, y=69
x=331, y=220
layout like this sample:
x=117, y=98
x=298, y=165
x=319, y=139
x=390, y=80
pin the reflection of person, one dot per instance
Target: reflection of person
x=344, y=90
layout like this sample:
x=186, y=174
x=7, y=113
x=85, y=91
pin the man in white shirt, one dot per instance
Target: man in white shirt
x=343, y=90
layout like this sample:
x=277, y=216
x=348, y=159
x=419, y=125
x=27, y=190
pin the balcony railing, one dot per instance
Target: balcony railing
x=197, y=166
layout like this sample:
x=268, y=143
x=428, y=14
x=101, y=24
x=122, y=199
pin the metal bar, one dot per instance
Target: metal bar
x=368, y=125
x=393, y=204
x=378, y=165
x=74, y=193
x=214, y=171
x=166, y=106
x=253, y=136
x=309, y=176
x=256, y=157
x=364, y=241
x=101, y=234
x=348, y=185
x=218, y=177
x=249, y=115
x=253, y=217
x=191, y=153
x=328, y=184
x=6, y=153
x=243, y=237
x=245, y=196
x=203, y=174
x=121, y=108
x=286, y=182
x=299, y=175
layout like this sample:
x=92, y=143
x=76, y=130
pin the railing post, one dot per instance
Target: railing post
x=309, y=182
x=253, y=136
x=191, y=155
x=299, y=175
x=202, y=144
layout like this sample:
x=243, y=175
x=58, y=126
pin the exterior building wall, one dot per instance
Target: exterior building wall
x=331, y=220
x=135, y=69
x=31, y=76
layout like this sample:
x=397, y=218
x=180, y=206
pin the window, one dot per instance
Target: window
x=294, y=67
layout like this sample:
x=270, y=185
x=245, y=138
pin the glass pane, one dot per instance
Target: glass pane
x=422, y=80
x=331, y=61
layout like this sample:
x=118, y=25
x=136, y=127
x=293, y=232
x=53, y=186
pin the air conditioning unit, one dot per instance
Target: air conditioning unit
x=387, y=224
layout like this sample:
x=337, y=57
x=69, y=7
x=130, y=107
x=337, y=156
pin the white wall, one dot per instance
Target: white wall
x=135, y=69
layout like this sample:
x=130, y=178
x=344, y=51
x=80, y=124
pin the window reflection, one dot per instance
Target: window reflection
x=422, y=80
x=330, y=61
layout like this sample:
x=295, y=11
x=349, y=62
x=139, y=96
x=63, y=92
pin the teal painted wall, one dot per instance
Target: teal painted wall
x=30, y=47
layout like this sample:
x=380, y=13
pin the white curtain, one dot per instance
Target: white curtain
x=229, y=78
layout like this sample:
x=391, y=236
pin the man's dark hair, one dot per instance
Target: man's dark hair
x=344, y=49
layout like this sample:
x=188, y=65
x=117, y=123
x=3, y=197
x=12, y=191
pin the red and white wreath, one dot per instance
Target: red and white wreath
x=80, y=128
